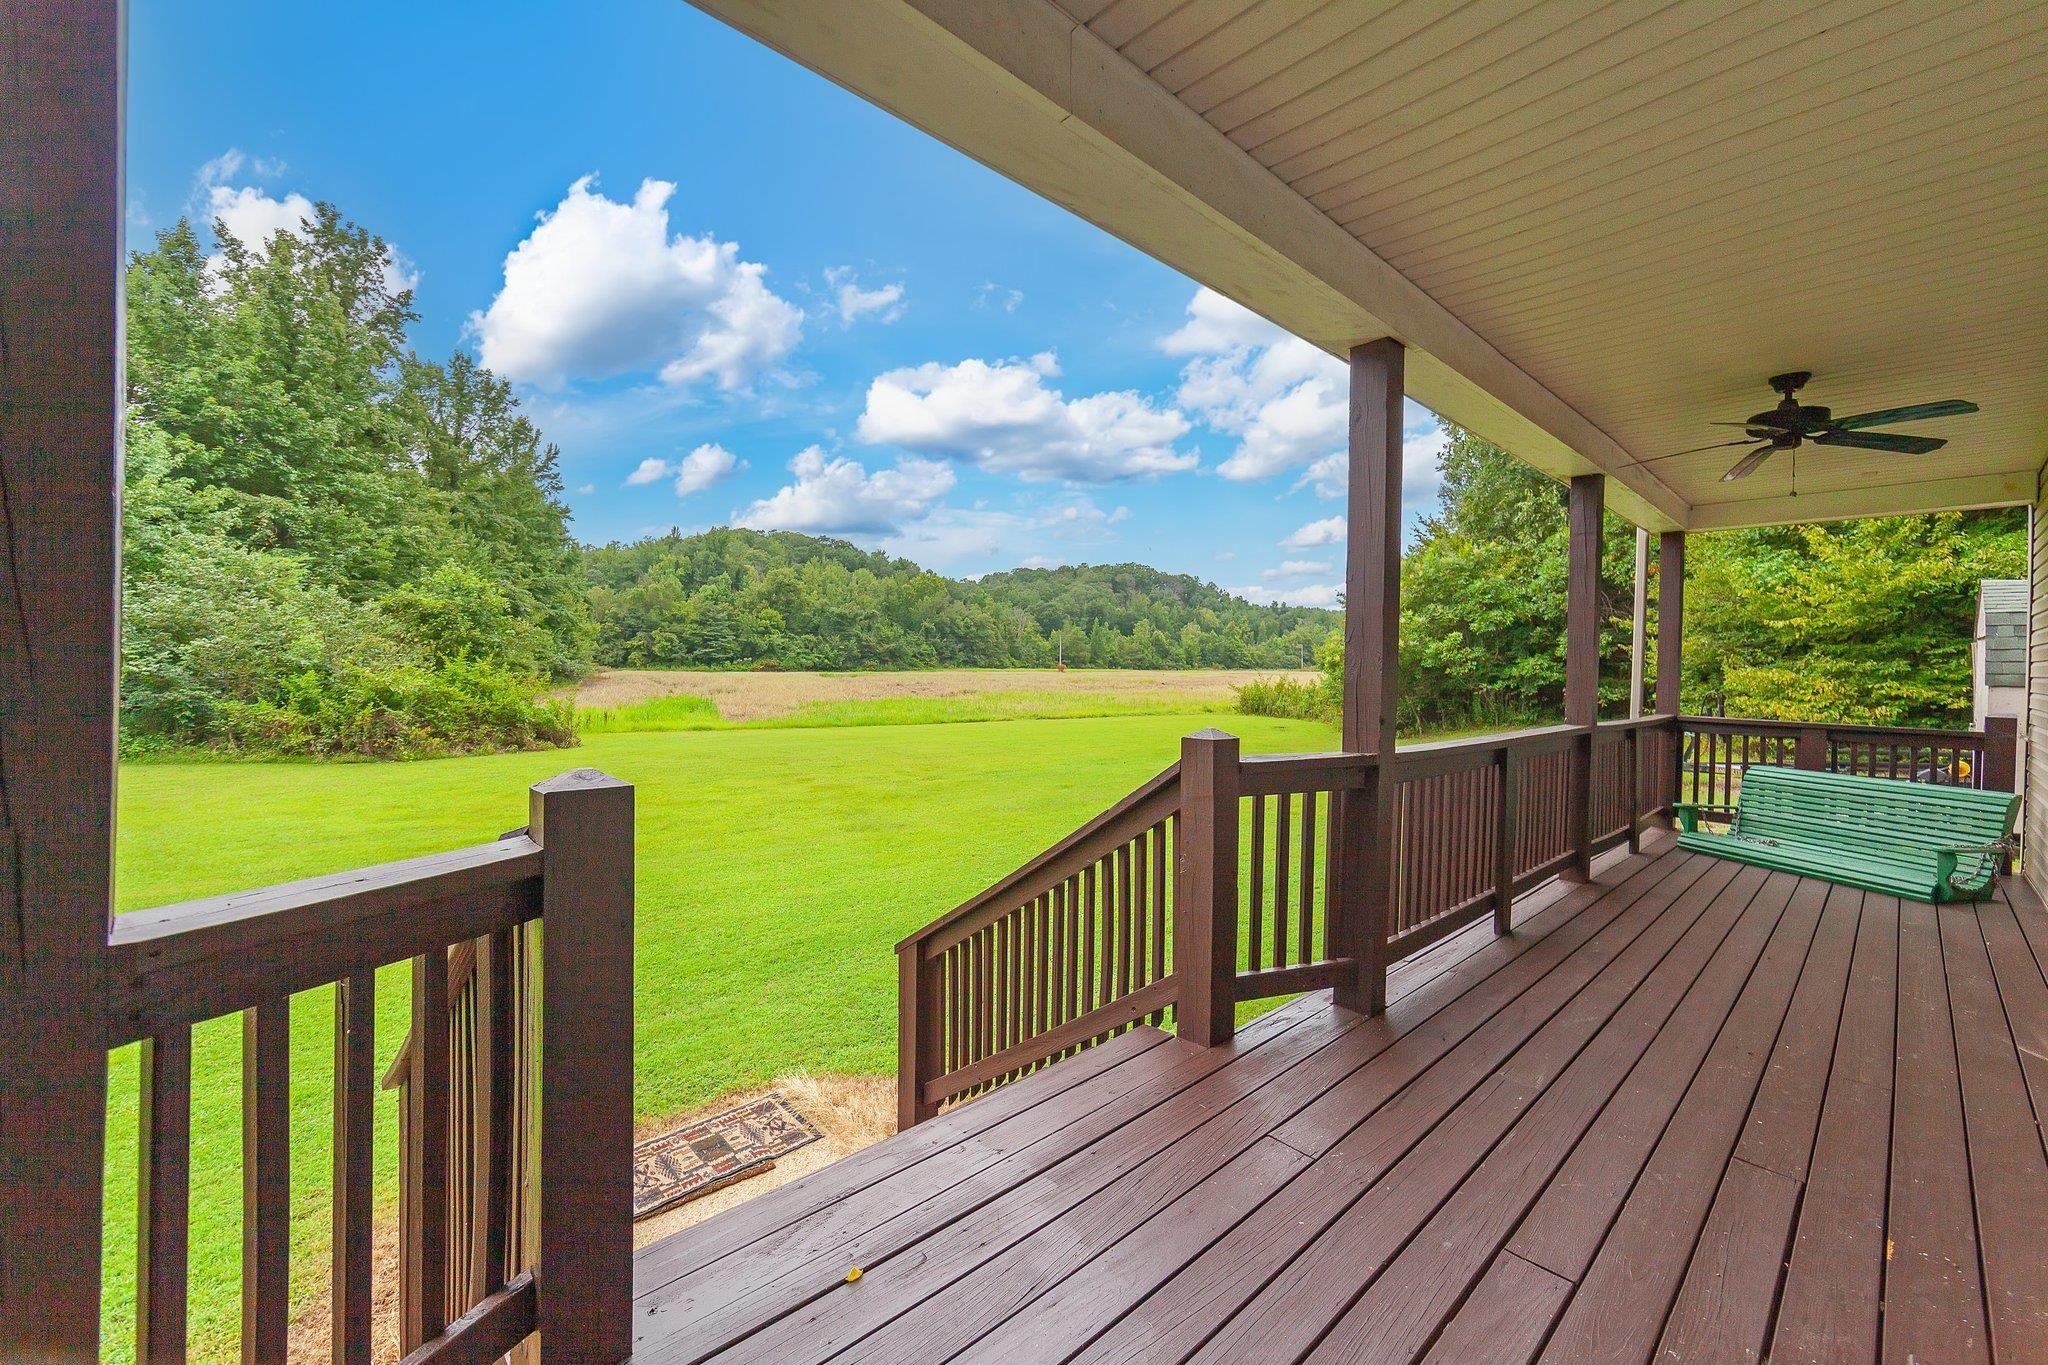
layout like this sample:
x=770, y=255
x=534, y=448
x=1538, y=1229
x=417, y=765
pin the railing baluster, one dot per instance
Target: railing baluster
x=1506, y=818
x=1160, y=905
x=1305, y=903
x=355, y=1056
x=500, y=1004
x=266, y=1180
x=163, y=1196
x=1126, y=936
x=1282, y=881
x=1256, y=888
x=426, y=1173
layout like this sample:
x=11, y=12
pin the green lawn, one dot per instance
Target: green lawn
x=776, y=870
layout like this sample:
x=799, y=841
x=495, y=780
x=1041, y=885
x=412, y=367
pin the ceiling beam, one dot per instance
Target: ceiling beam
x=1027, y=91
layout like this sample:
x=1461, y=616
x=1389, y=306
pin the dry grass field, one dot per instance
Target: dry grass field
x=763, y=696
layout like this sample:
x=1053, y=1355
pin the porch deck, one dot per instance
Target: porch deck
x=1690, y=1110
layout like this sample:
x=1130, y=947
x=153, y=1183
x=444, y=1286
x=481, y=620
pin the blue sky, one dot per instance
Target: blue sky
x=735, y=293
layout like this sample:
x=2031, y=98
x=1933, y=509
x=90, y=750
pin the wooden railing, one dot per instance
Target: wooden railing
x=1714, y=752
x=1094, y=935
x=568, y=875
x=478, y=1067
x=1292, y=821
x=1068, y=950
x=1098, y=933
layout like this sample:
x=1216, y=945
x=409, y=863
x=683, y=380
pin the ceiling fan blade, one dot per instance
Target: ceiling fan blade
x=1718, y=445
x=1748, y=464
x=1918, y=412
x=1881, y=440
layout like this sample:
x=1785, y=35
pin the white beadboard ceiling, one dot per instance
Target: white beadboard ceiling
x=1606, y=223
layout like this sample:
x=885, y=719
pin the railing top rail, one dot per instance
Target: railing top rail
x=1123, y=814
x=251, y=917
x=1270, y=774
x=200, y=959
x=1533, y=737
x=1893, y=732
x=1651, y=719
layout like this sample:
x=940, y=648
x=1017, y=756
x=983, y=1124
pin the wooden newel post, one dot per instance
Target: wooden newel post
x=1205, y=891
x=917, y=1035
x=583, y=822
x=2001, y=753
x=1810, y=749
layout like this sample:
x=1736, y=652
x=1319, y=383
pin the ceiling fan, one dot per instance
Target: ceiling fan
x=1792, y=423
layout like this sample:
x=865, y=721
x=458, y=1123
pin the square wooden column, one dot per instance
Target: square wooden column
x=60, y=461
x=1670, y=618
x=1582, y=658
x=1372, y=665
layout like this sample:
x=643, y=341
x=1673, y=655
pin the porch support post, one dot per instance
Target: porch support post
x=1638, y=641
x=1670, y=618
x=1582, y=660
x=60, y=461
x=1372, y=667
x=1670, y=651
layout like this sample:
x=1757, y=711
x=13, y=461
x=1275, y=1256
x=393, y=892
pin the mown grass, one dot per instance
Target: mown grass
x=670, y=714
x=777, y=865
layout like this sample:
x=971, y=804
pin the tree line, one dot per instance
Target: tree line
x=752, y=599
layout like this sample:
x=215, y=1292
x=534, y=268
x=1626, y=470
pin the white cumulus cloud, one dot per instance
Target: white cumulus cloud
x=602, y=288
x=695, y=472
x=1314, y=595
x=1286, y=402
x=1422, y=448
x=1298, y=568
x=254, y=216
x=832, y=494
x=705, y=466
x=1005, y=417
x=651, y=469
x=885, y=304
x=1328, y=531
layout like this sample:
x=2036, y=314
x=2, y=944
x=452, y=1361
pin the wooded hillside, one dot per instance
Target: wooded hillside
x=728, y=598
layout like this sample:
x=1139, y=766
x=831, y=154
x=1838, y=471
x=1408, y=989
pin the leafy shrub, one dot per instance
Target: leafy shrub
x=1288, y=698
x=236, y=647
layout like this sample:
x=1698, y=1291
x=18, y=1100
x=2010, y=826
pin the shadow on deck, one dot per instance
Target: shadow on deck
x=1689, y=1111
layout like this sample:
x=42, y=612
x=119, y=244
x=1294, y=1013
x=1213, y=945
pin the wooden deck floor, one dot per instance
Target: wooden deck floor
x=1691, y=1111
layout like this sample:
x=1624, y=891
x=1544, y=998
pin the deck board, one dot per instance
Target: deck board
x=1677, y=1113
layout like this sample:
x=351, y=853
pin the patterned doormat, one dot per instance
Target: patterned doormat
x=696, y=1159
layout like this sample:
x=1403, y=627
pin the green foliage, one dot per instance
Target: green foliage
x=733, y=599
x=1288, y=698
x=1483, y=595
x=1864, y=622
x=700, y=713
x=1292, y=699
x=331, y=546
